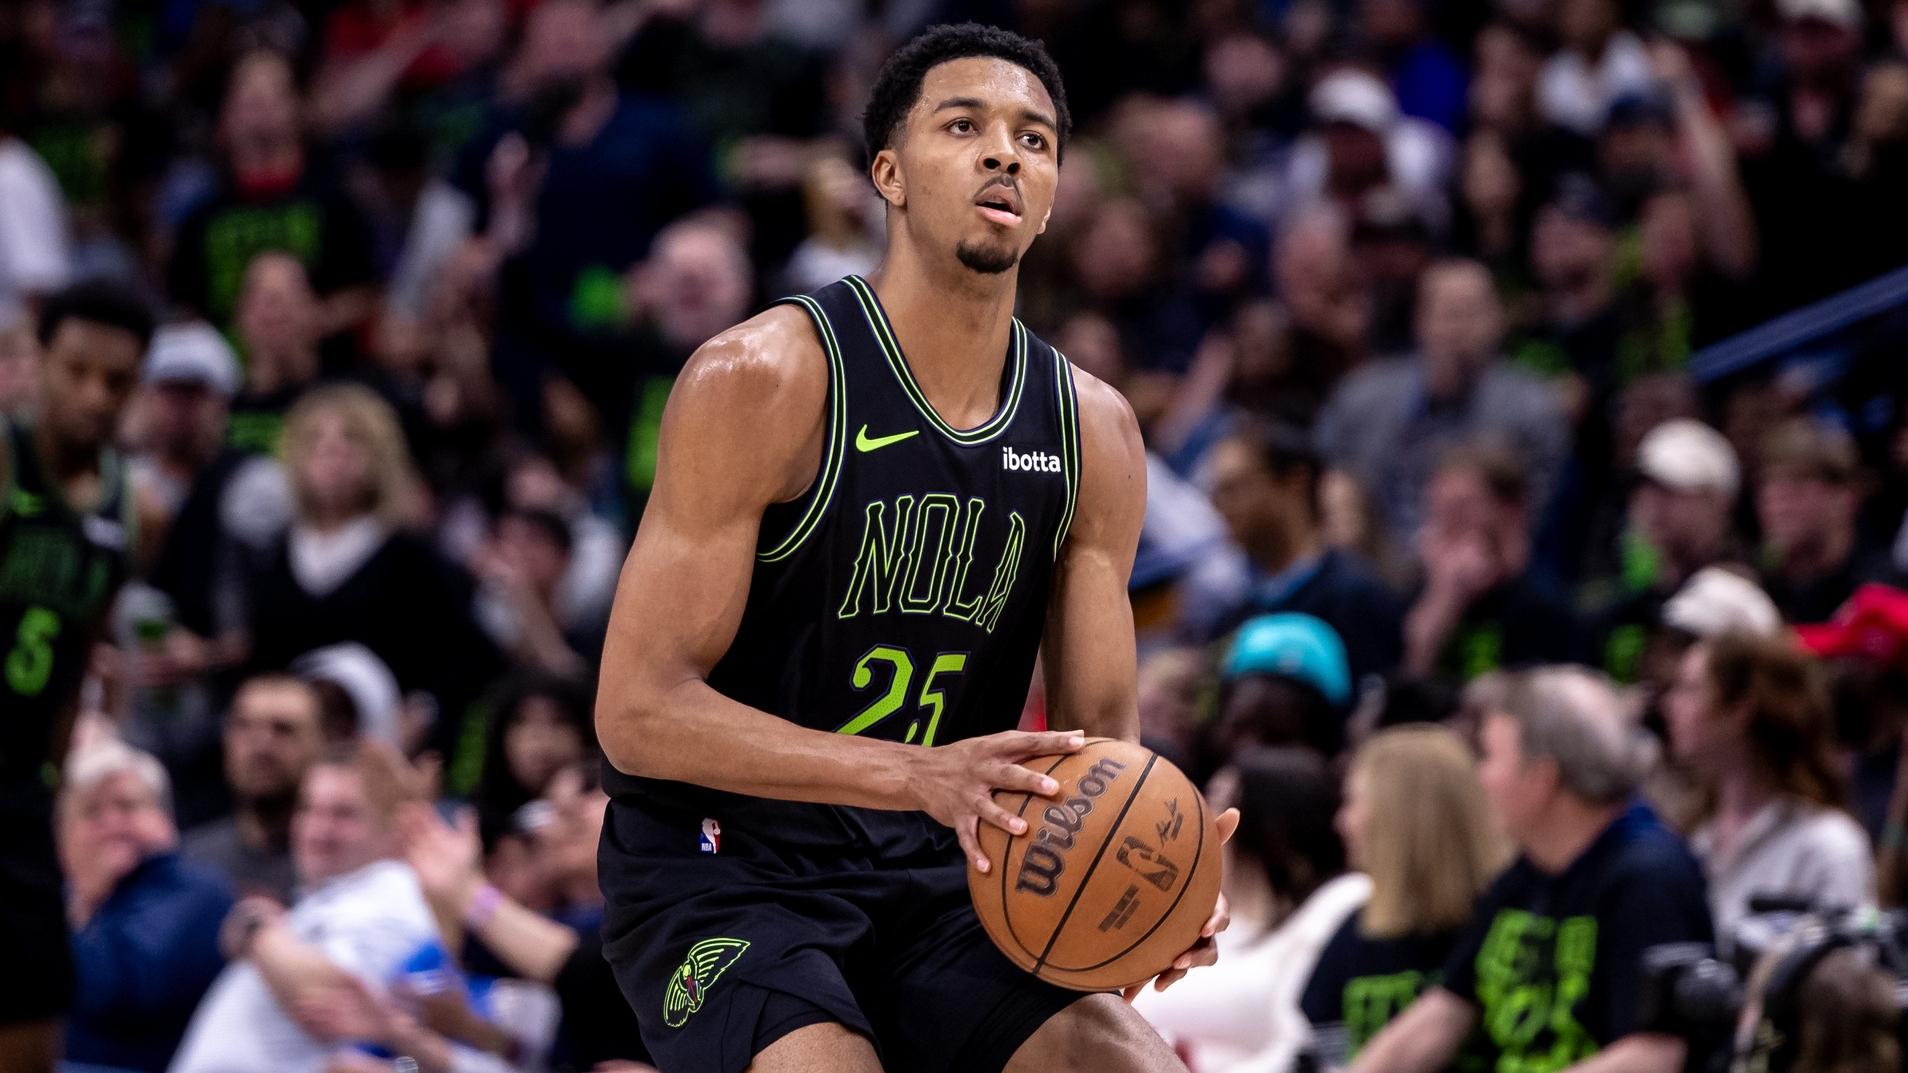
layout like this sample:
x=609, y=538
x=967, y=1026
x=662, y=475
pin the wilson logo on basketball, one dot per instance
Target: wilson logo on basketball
x=1042, y=864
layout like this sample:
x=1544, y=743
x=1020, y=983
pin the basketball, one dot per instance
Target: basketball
x=1114, y=877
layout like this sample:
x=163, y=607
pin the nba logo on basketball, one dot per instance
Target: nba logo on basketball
x=711, y=838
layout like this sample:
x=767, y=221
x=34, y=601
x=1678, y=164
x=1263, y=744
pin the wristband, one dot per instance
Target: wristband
x=482, y=905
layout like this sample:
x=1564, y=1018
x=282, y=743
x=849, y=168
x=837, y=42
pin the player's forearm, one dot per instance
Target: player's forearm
x=691, y=733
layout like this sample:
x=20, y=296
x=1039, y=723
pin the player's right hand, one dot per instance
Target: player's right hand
x=955, y=783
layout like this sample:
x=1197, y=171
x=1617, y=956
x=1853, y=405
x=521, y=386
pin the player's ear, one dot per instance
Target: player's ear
x=885, y=170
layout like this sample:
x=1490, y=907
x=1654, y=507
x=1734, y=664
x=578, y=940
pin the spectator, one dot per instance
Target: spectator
x=1680, y=515
x=1802, y=107
x=1265, y=483
x=1388, y=423
x=573, y=183
x=1284, y=682
x=273, y=734
x=214, y=502
x=1428, y=80
x=359, y=700
x=1807, y=498
x=1599, y=63
x=146, y=924
x=279, y=323
x=1392, y=244
x=1170, y=683
x=271, y=196
x=1415, y=821
x=1329, y=307
x=543, y=724
x=1549, y=963
x=35, y=252
x=597, y=1023
x=189, y=376
x=1750, y=718
x=351, y=569
x=361, y=917
x=1579, y=325
x=697, y=281
x=1481, y=607
x=1223, y=249
x=1360, y=144
x=1286, y=882
x=526, y=559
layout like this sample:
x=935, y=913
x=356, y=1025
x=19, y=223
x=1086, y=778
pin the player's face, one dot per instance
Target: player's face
x=977, y=162
x=87, y=376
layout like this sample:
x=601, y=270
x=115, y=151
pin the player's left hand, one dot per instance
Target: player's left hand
x=1206, y=950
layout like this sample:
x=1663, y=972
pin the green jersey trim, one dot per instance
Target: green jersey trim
x=833, y=446
x=1069, y=445
x=891, y=349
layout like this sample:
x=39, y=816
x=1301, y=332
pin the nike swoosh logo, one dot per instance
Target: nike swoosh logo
x=864, y=444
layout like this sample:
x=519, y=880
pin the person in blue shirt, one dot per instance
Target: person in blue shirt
x=1264, y=481
x=145, y=923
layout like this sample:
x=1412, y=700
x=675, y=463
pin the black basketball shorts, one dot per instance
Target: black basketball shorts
x=722, y=953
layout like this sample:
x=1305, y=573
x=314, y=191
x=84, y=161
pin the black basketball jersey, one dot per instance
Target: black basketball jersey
x=59, y=569
x=904, y=596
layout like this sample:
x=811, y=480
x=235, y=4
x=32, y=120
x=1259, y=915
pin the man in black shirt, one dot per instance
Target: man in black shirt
x=1807, y=498
x=1264, y=481
x=1482, y=607
x=1549, y=964
x=271, y=197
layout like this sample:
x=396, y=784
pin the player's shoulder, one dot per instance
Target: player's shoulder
x=769, y=365
x=1107, y=422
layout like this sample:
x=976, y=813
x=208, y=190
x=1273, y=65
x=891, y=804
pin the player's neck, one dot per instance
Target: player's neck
x=953, y=328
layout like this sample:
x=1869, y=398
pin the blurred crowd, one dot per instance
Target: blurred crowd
x=1409, y=297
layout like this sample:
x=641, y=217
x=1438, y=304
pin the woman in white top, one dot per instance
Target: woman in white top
x=1750, y=719
x=1284, y=878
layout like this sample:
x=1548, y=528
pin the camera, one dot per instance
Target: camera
x=1748, y=1012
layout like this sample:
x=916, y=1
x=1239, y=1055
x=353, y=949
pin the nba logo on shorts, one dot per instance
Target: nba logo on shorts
x=710, y=841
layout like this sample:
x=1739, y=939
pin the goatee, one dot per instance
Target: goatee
x=985, y=260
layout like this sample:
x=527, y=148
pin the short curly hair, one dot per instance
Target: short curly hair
x=898, y=85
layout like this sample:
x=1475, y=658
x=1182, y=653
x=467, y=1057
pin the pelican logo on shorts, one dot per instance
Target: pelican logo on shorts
x=1041, y=865
x=690, y=985
x=1029, y=461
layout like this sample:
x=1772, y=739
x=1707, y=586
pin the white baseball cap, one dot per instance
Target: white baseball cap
x=192, y=353
x=1355, y=97
x=1717, y=601
x=1846, y=14
x=1689, y=456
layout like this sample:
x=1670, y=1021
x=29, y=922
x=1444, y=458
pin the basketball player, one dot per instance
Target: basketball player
x=64, y=546
x=874, y=505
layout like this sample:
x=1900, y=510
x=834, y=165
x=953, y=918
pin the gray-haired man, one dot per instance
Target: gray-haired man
x=1549, y=964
